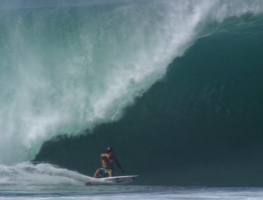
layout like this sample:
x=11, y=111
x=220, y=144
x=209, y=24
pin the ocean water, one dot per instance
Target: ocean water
x=130, y=192
x=175, y=86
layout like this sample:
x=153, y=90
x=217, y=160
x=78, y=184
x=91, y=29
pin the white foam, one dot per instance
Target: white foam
x=41, y=174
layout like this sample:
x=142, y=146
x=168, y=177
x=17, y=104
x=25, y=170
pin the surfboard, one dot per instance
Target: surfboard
x=116, y=180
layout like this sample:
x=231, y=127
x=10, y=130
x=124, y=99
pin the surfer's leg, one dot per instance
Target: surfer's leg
x=110, y=173
x=97, y=173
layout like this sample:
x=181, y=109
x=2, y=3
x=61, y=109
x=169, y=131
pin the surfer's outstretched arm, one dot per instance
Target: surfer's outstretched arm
x=119, y=165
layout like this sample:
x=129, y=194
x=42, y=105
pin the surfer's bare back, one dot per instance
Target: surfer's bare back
x=107, y=160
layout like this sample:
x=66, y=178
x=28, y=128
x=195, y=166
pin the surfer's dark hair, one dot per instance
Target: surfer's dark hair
x=109, y=149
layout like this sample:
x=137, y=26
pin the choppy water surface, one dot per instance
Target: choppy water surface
x=128, y=192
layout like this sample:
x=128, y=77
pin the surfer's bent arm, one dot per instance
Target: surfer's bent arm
x=104, y=155
x=119, y=165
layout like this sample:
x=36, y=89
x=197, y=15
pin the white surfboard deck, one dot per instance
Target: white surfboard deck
x=116, y=180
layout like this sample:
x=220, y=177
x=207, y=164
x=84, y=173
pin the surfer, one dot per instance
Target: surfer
x=107, y=160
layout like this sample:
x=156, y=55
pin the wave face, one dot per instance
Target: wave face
x=69, y=69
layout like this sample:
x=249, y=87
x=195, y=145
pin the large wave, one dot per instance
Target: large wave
x=201, y=125
x=67, y=69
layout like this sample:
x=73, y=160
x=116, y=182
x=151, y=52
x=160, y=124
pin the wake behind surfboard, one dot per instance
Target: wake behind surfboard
x=116, y=180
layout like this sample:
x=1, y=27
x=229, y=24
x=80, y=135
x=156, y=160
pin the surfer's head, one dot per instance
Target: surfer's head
x=110, y=150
